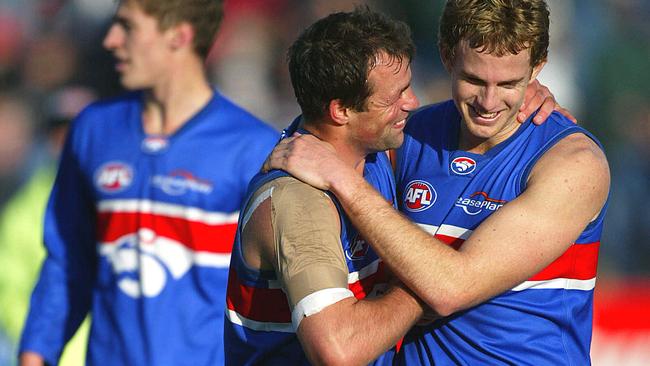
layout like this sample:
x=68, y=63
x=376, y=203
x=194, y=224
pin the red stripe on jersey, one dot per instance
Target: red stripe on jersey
x=578, y=262
x=200, y=237
x=450, y=240
x=255, y=303
x=363, y=287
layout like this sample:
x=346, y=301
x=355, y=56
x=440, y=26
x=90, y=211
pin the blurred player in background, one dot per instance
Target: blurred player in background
x=143, y=212
x=510, y=215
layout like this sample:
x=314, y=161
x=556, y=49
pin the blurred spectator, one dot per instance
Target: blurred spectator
x=559, y=72
x=17, y=125
x=11, y=40
x=50, y=62
x=615, y=88
x=21, y=226
x=626, y=248
x=250, y=53
x=617, y=66
x=248, y=59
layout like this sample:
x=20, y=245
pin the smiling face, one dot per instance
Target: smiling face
x=381, y=126
x=140, y=47
x=488, y=91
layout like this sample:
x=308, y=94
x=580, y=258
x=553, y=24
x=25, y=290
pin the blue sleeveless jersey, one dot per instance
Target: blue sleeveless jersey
x=258, y=328
x=544, y=321
x=139, y=230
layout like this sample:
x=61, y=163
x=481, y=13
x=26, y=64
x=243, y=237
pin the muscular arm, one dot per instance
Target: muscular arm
x=305, y=251
x=353, y=332
x=566, y=190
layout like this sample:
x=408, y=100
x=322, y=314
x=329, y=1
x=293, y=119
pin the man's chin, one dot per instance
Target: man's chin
x=395, y=143
x=129, y=82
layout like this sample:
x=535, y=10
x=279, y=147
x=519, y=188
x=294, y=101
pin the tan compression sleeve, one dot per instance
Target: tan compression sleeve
x=306, y=230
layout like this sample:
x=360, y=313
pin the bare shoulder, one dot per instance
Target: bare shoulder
x=575, y=167
x=575, y=154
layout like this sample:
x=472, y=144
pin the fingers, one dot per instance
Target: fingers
x=537, y=98
x=566, y=113
x=532, y=103
x=545, y=110
x=277, y=158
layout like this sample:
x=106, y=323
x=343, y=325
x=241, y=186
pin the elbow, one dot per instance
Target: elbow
x=448, y=302
x=336, y=359
x=329, y=351
x=443, y=308
x=328, y=356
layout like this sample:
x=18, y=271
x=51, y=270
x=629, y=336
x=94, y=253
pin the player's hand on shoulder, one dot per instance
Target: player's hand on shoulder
x=538, y=96
x=307, y=158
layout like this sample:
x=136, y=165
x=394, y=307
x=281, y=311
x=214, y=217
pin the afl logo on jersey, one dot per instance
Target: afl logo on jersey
x=113, y=177
x=463, y=165
x=420, y=195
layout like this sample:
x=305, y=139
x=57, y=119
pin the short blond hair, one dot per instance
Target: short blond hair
x=497, y=27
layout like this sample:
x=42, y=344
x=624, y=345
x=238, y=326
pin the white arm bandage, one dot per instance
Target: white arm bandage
x=317, y=301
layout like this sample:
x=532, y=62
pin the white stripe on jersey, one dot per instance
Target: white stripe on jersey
x=167, y=209
x=207, y=259
x=235, y=318
x=447, y=230
x=253, y=206
x=123, y=253
x=366, y=271
x=558, y=283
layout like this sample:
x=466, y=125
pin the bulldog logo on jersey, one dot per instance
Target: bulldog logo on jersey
x=420, y=195
x=358, y=248
x=144, y=262
x=155, y=144
x=463, y=165
x=113, y=177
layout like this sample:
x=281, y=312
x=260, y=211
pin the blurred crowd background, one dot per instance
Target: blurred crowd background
x=52, y=65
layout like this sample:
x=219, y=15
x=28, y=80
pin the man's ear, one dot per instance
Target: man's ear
x=181, y=36
x=536, y=70
x=339, y=113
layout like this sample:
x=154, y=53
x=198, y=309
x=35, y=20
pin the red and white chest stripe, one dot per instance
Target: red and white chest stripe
x=267, y=309
x=158, y=227
x=575, y=269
